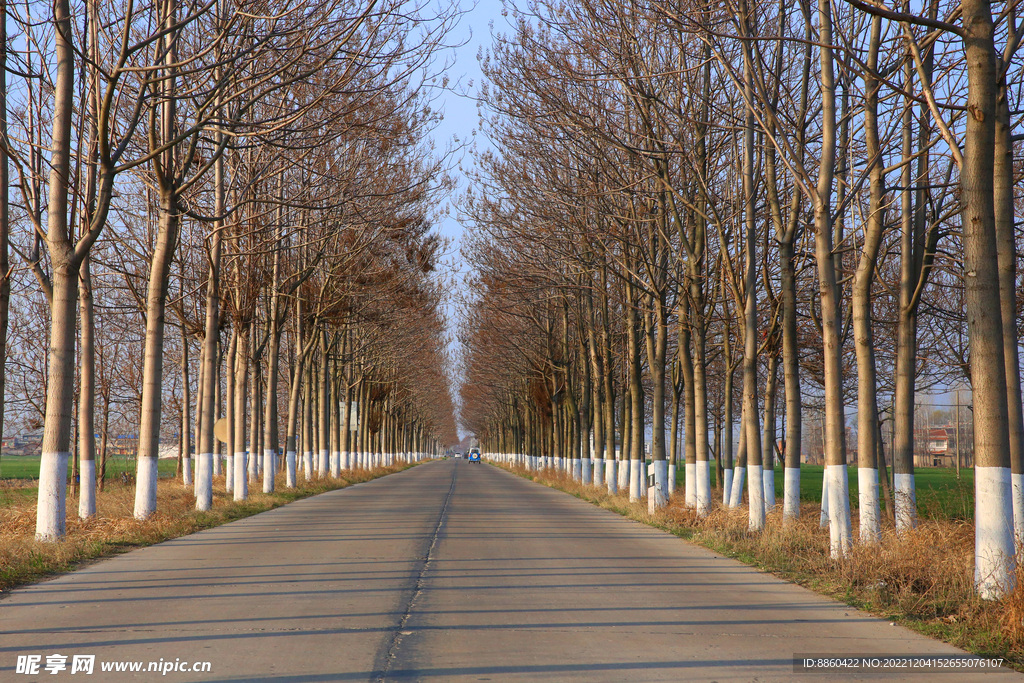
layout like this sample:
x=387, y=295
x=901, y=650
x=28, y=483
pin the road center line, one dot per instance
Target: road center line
x=396, y=639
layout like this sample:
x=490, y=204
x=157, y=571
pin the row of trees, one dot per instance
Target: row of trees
x=244, y=189
x=820, y=197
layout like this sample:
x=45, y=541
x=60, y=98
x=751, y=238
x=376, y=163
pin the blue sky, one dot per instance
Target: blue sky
x=460, y=112
x=461, y=118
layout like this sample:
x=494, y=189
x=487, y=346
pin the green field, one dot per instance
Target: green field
x=27, y=467
x=940, y=495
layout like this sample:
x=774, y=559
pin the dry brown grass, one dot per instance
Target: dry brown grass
x=114, y=529
x=923, y=579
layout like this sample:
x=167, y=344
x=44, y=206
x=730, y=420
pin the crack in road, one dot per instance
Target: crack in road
x=396, y=639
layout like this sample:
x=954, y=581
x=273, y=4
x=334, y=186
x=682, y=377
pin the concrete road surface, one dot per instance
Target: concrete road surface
x=450, y=571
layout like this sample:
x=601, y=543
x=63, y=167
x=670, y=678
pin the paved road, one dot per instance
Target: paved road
x=449, y=571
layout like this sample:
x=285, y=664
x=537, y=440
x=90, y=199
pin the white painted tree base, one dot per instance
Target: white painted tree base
x=145, y=487
x=738, y=477
x=635, y=480
x=702, y=497
x=269, y=470
x=289, y=462
x=791, y=493
x=823, y=523
x=690, y=484
x=755, y=494
x=870, y=509
x=241, y=491
x=1017, y=481
x=51, y=506
x=671, y=479
x=727, y=487
x=186, y=470
x=993, y=532
x=655, y=499
x=769, y=489
x=87, y=489
x=659, y=468
x=839, y=511
x=204, y=481
x=611, y=477
x=906, y=501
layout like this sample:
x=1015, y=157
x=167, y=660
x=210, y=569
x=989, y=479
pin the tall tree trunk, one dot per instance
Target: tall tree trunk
x=755, y=475
x=325, y=413
x=1006, y=245
x=307, y=421
x=186, y=405
x=218, y=407
x=101, y=473
x=867, y=399
x=153, y=363
x=51, y=508
x=770, y=396
x=689, y=407
x=702, y=497
x=197, y=423
x=291, y=445
x=229, y=411
x=835, y=423
x=364, y=424
x=906, y=342
x=636, y=399
x=657, y=345
x=610, y=474
x=626, y=432
x=335, y=467
x=736, y=498
x=787, y=267
x=168, y=225
x=87, y=397
x=729, y=467
x=673, y=457
x=348, y=424
x=696, y=280
x=598, y=398
x=791, y=372
x=240, y=378
x=5, y=267
x=993, y=517
x=253, y=448
x=270, y=435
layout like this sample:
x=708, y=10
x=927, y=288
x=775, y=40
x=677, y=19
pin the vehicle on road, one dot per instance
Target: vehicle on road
x=474, y=455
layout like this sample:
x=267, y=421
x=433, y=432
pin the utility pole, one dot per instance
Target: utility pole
x=958, y=434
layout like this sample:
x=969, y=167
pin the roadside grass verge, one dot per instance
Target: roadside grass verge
x=114, y=530
x=942, y=492
x=27, y=467
x=923, y=579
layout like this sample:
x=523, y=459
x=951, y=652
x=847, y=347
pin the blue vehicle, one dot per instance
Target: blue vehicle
x=474, y=455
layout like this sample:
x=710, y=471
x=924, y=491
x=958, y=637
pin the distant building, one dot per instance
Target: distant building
x=26, y=443
x=936, y=447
